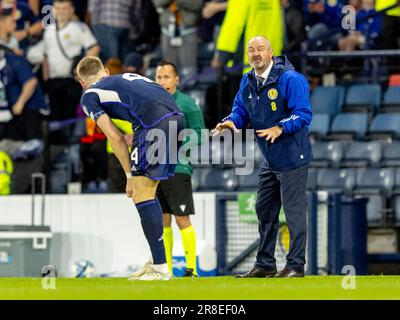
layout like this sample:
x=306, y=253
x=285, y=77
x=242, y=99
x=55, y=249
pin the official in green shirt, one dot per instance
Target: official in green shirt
x=175, y=194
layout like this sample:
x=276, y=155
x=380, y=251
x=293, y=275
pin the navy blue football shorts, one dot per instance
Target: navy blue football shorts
x=154, y=150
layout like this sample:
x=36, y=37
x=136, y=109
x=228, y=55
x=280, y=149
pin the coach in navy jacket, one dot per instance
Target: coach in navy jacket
x=274, y=100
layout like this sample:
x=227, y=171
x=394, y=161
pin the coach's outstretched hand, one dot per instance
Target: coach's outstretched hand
x=223, y=126
x=271, y=133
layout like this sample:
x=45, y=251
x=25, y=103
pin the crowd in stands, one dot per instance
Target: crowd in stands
x=41, y=41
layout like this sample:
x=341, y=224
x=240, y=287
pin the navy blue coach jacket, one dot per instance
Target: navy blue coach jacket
x=283, y=99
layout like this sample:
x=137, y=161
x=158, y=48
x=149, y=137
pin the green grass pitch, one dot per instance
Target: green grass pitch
x=223, y=288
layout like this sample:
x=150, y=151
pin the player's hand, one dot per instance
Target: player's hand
x=17, y=108
x=223, y=126
x=270, y=133
x=216, y=63
x=210, y=9
x=20, y=34
x=129, y=187
x=128, y=138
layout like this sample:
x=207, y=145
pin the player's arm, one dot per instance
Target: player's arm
x=118, y=144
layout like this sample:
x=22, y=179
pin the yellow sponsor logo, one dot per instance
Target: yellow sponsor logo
x=273, y=106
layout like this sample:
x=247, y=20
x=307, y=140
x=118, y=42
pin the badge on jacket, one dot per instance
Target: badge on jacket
x=272, y=94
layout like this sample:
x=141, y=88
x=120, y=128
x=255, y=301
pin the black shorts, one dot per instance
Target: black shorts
x=176, y=196
x=147, y=158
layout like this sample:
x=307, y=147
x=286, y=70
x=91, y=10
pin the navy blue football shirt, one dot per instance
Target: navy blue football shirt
x=129, y=97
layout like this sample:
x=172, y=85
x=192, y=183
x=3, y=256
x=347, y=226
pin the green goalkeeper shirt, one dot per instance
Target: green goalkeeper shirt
x=194, y=120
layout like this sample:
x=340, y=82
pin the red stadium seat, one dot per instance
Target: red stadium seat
x=394, y=80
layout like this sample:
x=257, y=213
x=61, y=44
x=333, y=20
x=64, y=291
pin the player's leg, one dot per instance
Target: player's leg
x=144, y=197
x=150, y=164
x=179, y=196
x=168, y=239
x=188, y=236
x=168, y=235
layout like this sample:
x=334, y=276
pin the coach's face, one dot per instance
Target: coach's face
x=259, y=54
x=167, y=78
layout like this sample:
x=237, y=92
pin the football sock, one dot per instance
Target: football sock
x=168, y=244
x=189, y=245
x=151, y=219
x=163, y=268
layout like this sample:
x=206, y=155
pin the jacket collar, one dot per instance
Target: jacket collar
x=274, y=74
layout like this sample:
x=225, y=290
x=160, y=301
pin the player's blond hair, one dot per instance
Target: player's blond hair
x=89, y=67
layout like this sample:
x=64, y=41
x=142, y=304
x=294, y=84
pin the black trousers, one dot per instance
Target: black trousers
x=64, y=96
x=26, y=126
x=94, y=161
x=390, y=35
x=287, y=189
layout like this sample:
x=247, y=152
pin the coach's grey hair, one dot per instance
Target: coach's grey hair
x=265, y=39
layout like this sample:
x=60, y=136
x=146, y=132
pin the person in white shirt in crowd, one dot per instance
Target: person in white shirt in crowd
x=64, y=43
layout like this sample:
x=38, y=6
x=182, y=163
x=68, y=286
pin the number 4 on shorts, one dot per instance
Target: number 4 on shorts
x=135, y=157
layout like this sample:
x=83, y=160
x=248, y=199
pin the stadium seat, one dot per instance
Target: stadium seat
x=375, y=208
x=319, y=125
x=396, y=187
x=391, y=154
x=327, y=154
x=327, y=100
x=336, y=180
x=312, y=179
x=362, y=98
x=375, y=180
x=397, y=210
x=385, y=125
x=349, y=126
x=217, y=180
x=248, y=182
x=391, y=100
x=377, y=185
x=362, y=154
x=394, y=80
x=196, y=179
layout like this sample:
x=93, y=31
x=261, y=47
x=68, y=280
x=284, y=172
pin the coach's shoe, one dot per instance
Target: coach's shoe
x=257, y=272
x=289, y=273
x=141, y=272
x=189, y=273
